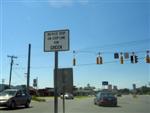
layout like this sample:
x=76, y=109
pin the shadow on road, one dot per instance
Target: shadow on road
x=17, y=108
x=112, y=106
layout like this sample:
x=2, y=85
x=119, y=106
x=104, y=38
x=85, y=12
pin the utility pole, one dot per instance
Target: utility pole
x=11, y=65
x=28, y=69
x=3, y=82
x=37, y=83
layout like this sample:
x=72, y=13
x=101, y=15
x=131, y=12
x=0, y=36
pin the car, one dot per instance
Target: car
x=67, y=96
x=118, y=94
x=12, y=98
x=105, y=99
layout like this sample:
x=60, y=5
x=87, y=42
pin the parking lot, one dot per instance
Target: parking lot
x=126, y=104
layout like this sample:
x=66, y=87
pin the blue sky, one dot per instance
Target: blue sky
x=105, y=26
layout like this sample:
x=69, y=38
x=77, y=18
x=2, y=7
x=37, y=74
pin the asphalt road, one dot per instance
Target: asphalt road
x=126, y=104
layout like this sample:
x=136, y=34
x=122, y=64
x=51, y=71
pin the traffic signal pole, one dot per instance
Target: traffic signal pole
x=28, y=67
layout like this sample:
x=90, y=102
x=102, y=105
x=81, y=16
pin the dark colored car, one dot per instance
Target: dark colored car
x=105, y=99
x=12, y=98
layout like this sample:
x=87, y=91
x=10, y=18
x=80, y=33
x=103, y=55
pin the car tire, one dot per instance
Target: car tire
x=12, y=105
x=27, y=105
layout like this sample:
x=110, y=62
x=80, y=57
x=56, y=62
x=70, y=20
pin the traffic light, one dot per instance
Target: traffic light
x=98, y=60
x=132, y=59
x=101, y=60
x=121, y=60
x=116, y=55
x=126, y=55
x=74, y=61
x=147, y=59
x=136, y=59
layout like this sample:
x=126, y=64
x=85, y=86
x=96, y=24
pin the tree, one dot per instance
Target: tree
x=124, y=91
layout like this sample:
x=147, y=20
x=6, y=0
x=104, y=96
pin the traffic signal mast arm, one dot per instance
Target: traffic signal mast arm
x=133, y=58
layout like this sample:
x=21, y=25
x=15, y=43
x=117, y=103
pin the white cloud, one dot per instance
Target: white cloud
x=66, y=3
x=61, y=3
x=83, y=2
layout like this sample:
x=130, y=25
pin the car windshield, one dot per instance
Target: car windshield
x=107, y=95
x=8, y=93
x=67, y=94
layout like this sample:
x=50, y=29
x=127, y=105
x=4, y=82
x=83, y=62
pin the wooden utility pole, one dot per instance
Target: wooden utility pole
x=11, y=65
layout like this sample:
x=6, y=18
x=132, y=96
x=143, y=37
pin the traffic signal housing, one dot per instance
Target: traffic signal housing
x=74, y=62
x=136, y=59
x=121, y=60
x=98, y=60
x=147, y=59
x=132, y=59
x=101, y=60
x=116, y=55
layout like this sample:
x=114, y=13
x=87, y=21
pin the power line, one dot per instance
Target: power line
x=122, y=44
x=107, y=52
x=18, y=76
x=108, y=62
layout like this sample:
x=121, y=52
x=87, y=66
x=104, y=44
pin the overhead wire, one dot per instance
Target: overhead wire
x=18, y=76
x=108, y=62
x=103, y=53
x=122, y=44
x=90, y=51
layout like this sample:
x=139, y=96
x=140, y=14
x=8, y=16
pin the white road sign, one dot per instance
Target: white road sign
x=57, y=40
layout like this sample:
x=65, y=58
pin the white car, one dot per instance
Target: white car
x=67, y=96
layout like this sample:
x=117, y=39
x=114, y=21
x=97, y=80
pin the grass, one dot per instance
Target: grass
x=43, y=99
x=34, y=98
x=82, y=97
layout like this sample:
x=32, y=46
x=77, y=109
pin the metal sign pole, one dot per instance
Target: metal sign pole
x=63, y=103
x=55, y=83
x=54, y=41
x=63, y=79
